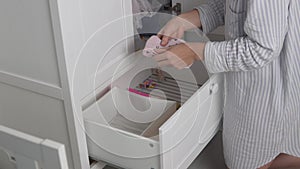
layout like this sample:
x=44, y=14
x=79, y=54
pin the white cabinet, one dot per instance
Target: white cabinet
x=27, y=38
x=61, y=58
x=174, y=142
x=31, y=152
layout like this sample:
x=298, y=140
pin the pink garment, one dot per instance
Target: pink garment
x=155, y=43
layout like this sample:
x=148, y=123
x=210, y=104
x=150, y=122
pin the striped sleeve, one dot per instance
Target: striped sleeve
x=265, y=27
x=212, y=15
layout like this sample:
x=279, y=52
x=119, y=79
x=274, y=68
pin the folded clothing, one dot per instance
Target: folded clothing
x=155, y=43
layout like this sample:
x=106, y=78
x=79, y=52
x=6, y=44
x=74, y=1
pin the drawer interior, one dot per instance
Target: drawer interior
x=132, y=113
x=161, y=83
x=144, y=102
x=126, y=103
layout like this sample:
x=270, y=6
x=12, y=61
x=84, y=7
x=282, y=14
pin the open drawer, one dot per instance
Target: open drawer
x=138, y=132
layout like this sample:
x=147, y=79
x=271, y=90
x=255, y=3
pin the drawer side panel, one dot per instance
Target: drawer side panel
x=192, y=126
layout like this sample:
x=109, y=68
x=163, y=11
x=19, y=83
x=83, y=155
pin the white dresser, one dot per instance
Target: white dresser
x=59, y=59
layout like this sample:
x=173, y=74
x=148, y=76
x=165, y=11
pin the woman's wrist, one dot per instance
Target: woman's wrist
x=198, y=49
x=192, y=18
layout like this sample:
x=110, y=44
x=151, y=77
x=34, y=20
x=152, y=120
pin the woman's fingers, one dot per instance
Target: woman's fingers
x=165, y=40
x=173, y=29
x=180, y=56
x=175, y=35
x=160, y=35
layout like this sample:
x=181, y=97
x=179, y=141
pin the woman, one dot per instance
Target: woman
x=261, y=58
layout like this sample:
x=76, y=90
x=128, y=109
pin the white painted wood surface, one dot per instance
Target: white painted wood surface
x=181, y=138
x=35, y=114
x=32, y=152
x=27, y=47
x=85, y=36
x=33, y=83
x=188, y=131
x=39, y=47
x=45, y=78
x=23, y=162
x=6, y=161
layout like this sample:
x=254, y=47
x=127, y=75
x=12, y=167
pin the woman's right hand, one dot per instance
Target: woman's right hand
x=176, y=27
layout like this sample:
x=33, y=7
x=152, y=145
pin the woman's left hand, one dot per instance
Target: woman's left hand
x=180, y=56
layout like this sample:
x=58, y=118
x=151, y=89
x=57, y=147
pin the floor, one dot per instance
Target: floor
x=212, y=156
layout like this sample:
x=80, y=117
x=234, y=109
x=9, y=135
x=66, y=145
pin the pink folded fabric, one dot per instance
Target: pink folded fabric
x=154, y=43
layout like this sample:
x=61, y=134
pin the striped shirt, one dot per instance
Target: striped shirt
x=261, y=61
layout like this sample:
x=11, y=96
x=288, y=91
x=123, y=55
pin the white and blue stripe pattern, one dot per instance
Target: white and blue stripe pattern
x=261, y=58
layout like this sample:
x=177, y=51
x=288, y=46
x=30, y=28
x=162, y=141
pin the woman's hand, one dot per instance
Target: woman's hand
x=176, y=27
x=180, y=56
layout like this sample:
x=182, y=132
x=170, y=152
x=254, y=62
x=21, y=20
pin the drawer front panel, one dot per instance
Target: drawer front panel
x=119, y=143
x=194, y=124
